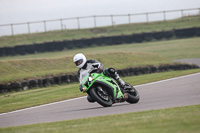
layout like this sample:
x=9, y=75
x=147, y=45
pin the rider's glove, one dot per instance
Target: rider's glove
x=98, y=67
x=81, y=88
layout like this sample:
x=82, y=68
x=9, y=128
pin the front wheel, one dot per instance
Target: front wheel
x=133, y=96
x=101, y=96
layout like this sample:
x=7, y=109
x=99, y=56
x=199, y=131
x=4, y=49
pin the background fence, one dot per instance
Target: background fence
x=93, y=21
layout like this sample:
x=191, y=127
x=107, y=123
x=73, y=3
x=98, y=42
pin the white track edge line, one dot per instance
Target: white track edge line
x=165, y=80
x=43, y=105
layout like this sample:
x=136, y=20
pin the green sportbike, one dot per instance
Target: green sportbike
x=105, y=90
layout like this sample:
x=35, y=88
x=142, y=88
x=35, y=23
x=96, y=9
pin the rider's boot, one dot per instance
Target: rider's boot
x=125, y=96
x=122, y=99
x=123, y=86
x=121, y=83
x=119, y=80
x=111, y=72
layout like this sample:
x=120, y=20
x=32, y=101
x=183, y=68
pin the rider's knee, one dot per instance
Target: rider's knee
x=110, y=72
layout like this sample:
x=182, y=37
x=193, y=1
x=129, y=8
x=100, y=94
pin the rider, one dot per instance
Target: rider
x=83, y=64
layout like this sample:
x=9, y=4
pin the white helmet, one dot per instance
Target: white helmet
x=79, y=60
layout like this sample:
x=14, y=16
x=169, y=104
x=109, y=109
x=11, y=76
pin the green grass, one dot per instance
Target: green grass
x=171, y=49
x=32, y=68
x=186, y=22
x=119, y=57
x=171, y=120
x=23, y=99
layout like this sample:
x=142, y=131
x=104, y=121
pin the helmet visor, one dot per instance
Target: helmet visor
x=79, y=62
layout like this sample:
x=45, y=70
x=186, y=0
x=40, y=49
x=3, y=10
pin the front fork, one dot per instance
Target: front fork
x=120, y=95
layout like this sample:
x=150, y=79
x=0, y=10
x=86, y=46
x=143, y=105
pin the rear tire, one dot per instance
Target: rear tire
x=105, y=100
x=133, y=97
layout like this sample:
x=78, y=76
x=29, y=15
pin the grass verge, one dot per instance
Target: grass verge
x=23, y=99
x=178, y=119
x=153, y=53
x=171, y=49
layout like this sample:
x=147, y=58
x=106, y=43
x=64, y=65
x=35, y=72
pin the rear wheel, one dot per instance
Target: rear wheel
x=133, y=96
x=101, y=96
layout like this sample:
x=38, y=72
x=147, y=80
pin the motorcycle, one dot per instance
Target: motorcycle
x=105, y=90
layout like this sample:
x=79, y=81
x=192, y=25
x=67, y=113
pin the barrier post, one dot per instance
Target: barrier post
x=29, y=31
x=129, y=18
x=61, y=24
x=164, y=16
x=12, y=31
x=78, y=23
x=45, y=28
x=95, y=24
x=182, y=14
x=112, y=20
x=147, y=17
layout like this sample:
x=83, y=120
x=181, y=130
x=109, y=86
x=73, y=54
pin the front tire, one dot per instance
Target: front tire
x=133, y=96
x=90, y=99
x=101, y=96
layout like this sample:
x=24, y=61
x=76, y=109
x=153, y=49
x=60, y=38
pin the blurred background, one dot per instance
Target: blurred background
x=33, y=16
x=144, y=40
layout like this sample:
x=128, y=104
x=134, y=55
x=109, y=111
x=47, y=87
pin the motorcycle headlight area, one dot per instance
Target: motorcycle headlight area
x=90, y=79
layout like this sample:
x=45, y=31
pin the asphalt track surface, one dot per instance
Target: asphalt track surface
x=181, y=91
x=190, y=61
